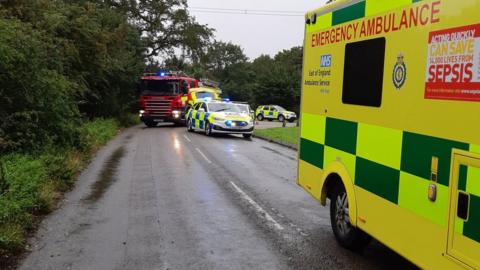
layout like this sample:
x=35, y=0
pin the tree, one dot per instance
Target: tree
x=37, y=105
x=221, y=55
x=165, y=26
x=278, y=80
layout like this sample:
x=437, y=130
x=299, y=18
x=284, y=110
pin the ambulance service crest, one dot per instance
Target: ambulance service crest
x=399, y=72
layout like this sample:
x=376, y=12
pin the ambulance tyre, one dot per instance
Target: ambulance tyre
x=281, y=118
x=260, y=117
x=347, y=235
x=208, y=129
x=189, y=125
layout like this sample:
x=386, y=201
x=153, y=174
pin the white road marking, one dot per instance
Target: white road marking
x=186, y=138
x=257, y=207
x=203, y=155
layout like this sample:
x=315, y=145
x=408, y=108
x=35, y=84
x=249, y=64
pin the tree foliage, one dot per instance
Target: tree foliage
x=265, y=80
x=64, y=60
x=165, y=26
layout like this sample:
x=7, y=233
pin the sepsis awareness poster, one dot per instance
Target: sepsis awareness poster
x=453, y=67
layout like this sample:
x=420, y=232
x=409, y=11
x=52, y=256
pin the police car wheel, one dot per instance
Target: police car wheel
x=281, y=118
x=347, y=235
x=260, y=117
x=189, y=125
x=208, y=129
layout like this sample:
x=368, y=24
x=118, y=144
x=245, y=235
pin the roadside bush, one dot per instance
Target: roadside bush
x=97, y=132
x=129, y=119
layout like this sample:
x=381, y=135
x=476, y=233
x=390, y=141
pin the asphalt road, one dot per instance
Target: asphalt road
x=163, y=198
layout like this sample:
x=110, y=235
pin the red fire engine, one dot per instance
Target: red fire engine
x=163, y=97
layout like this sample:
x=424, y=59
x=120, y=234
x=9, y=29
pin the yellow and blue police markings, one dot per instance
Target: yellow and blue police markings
x=274, y=112
x=229, y=121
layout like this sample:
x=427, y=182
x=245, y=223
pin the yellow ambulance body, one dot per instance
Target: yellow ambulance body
x=390, y=125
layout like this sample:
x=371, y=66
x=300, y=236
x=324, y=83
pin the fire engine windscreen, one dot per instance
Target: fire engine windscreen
x=159, y=87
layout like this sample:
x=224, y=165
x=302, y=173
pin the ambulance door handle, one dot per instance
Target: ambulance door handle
x=463, y=205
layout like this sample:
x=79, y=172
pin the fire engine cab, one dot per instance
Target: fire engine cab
x=163, y=97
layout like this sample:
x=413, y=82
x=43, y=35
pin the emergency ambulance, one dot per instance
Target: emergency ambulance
x=390, y=125
x=202, y=93
x=274, y=112
x=213, y=116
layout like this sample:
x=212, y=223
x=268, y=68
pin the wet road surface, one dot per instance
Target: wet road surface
x=163, y=198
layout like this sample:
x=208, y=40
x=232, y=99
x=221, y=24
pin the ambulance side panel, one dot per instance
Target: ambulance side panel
x=392, y=151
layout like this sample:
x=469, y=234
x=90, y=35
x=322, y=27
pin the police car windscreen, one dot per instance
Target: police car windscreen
x=223, y=107
x=243, y=108
x=159, y=87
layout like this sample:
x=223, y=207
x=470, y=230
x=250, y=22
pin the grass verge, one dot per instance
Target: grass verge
x=283, y=135
x=31, y=184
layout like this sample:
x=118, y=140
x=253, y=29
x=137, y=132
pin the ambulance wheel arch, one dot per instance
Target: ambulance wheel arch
x=336, y=182
x=336, y=175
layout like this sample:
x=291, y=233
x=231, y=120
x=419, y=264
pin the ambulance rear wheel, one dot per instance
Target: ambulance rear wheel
x=208, y=129
x=260, y=117
x=347, y=235
x=281, y=118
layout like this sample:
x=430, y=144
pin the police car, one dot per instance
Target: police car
x=274, y=112
x=220, y=117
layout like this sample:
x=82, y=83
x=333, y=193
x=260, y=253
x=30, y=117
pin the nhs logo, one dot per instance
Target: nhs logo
x=326, y=60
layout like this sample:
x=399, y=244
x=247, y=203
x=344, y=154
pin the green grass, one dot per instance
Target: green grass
x=286, y=135
x=31, y=184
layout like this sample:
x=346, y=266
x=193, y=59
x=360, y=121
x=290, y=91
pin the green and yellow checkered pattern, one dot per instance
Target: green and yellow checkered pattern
x=393, y=164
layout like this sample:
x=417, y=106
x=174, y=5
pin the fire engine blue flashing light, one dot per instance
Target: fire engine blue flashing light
x=161, y=73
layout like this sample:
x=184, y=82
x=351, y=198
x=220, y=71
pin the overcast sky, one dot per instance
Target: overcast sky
x=256, y=34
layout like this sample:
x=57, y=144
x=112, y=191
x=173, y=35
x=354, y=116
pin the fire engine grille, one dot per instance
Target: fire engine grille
x=158, y=107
